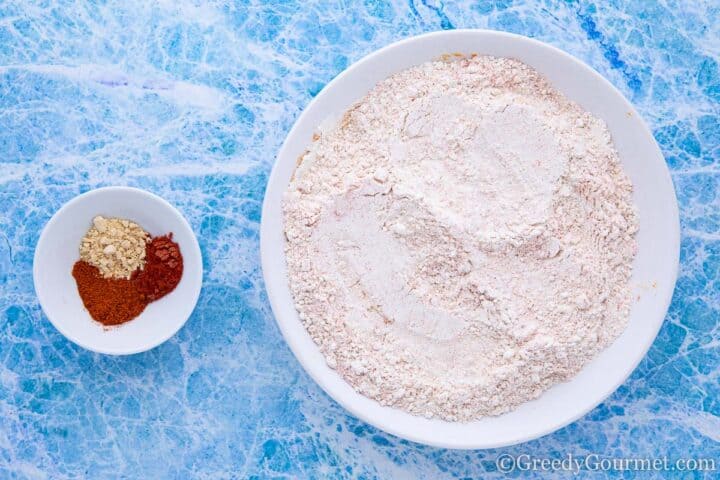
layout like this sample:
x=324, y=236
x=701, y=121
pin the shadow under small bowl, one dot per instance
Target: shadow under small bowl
x=58, y=249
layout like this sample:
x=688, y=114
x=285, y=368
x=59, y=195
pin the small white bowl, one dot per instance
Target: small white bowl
x=654, y=270
x=57, y=251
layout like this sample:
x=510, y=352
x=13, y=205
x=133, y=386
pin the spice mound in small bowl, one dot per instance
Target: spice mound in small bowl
x=122, y=269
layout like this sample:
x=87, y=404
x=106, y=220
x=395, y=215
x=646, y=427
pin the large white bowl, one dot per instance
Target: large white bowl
x=654, y=270
x=57, y=251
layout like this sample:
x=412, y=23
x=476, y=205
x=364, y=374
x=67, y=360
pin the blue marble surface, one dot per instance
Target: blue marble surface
x=191, y=100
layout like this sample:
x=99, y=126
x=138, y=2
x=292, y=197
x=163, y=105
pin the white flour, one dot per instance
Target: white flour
x=462, y=240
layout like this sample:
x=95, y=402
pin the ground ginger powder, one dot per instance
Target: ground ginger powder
x=115, y=246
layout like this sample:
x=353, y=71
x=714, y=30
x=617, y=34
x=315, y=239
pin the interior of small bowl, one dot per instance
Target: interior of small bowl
x=57, y=251
x=654, y=270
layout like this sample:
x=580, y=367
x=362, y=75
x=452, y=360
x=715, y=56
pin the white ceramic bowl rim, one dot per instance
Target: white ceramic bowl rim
x=658, y=238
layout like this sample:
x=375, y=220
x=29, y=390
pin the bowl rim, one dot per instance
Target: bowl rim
x=294, y=343
x=197, y=253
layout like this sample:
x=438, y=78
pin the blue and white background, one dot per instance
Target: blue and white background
x=191, y=100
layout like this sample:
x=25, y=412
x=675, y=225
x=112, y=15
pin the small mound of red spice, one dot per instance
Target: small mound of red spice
x=163, y=268
x=110, y=301
x=113, y=301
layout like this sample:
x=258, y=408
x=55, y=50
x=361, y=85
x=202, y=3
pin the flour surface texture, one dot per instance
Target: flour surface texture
x=461, y=240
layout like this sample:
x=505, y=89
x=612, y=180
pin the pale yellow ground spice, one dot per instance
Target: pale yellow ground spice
x=115, y=246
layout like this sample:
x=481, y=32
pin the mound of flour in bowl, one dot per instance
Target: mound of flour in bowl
x=461, y=240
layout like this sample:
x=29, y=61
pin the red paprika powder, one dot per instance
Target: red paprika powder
x=163, y=268
x=110, y=301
